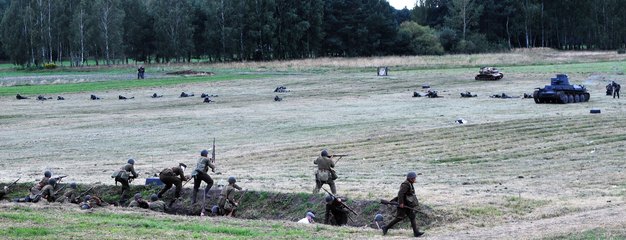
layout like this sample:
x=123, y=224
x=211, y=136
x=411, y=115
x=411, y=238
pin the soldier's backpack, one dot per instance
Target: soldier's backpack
x=323, y=175
x=123, y=174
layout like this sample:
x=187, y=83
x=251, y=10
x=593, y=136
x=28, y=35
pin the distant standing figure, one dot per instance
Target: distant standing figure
x=141, y=72
x=616, y=88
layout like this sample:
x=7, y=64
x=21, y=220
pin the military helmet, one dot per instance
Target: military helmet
x=204, y=153
x=131, y=161
x=52, y=181
x=378, y=217
x=47, y=174
x=232, y=180
x=215, y=209
x=411, y=175
x=73, y=185
x=182, y=165
x=329, y=198
x=324, y=153
x=154, y=197
x=138, y=196
x=87, y=198
x=310, y=214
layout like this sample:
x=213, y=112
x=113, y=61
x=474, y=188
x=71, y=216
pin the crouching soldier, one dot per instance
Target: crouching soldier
x=226, y=202
x=173, y=176
x=48, y=192
x=139, y=202
x=69, y=195
x=125, y=175
x=91, y=202
x=35, y=191
x=337, y=210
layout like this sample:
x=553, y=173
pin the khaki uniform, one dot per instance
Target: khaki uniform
x=47, y=193
x=172, y=176
x=200, y=174
x=69, y=196
x=123, y=175
x=406, y=197
x=140, y=204
x=325, y=174
x=226, y=202
x=157, y=205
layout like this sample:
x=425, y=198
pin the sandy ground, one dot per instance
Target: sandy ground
x=516, y=167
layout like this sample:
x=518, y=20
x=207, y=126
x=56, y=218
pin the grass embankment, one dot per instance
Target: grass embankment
x=115, y=84
x=51, y=221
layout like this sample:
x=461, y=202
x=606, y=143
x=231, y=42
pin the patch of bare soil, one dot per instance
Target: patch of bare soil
x=191, y=72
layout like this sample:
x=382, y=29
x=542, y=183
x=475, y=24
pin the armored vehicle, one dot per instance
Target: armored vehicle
x=489, y=73
x=560, y=91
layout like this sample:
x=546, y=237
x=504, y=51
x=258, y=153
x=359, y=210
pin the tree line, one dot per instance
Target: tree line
x=36, y=32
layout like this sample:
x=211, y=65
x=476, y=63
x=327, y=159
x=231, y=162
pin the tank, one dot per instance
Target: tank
x=561, y=91
x=489, y=73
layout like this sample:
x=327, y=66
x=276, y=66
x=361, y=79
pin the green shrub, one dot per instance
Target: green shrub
x=49, y=66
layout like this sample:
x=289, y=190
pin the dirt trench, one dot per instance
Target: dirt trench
x=253, y=205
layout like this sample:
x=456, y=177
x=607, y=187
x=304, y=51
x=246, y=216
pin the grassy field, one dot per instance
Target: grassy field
x=516, y=169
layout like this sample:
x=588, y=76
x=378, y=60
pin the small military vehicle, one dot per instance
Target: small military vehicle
x=489, y=73
x=561, y=91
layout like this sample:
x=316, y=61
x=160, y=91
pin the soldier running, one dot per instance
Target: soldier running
x=173, y=176
x=200, y=174
x=407, y=201
x=325, y=173
x=124, y=176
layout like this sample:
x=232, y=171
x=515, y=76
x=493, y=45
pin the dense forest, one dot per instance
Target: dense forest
x=38, y=32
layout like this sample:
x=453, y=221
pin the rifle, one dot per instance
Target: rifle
x=82, y=194
x=13, y=184
x=342, y=203
x=238, y=200
x=57, y=191
x=340, y=156
x=59, y=178
x=213, y=157
x=383, y=201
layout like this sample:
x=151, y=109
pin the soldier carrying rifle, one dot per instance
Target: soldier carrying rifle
x=407, y=201
x=325, y=173
x=337, y=209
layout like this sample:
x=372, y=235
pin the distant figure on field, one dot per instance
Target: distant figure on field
x=616, y=87
x=184, y=94
x=156, y=96
x=94, y=97
x=416, y=94
x=20, y=97
x=124, y=98
x=277, y=99
x=207, y=100
x=468, y=95
x=141, y=72
x=60, y=98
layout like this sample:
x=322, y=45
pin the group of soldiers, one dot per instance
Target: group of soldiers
x=613, y=89
x=336, y=210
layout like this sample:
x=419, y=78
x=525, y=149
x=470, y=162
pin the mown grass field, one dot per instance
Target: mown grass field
x=516, y=170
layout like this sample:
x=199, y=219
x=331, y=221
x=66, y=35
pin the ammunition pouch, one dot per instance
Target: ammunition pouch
x=412, y=201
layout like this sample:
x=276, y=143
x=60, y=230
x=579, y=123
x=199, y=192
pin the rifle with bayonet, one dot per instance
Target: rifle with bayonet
x=238, y=201
x=59, y=178
x=342, y=203
x=213, y=157
x=338, y=155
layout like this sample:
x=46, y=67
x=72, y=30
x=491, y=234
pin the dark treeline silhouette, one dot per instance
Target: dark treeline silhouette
x=37, y=32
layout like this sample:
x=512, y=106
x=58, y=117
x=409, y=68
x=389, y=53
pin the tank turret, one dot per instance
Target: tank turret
x=561, y=91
